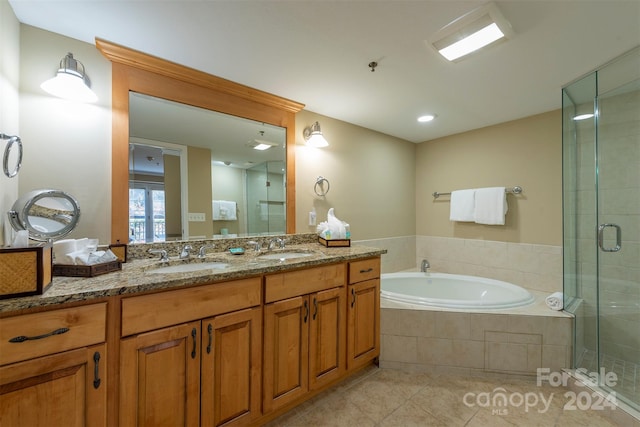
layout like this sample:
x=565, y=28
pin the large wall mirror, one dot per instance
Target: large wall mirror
x=185, y=163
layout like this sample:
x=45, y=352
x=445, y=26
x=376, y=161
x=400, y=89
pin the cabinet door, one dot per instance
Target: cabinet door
x=231, y=366
x=286, y=351
x=327, y=337
x=363, y=330
x=64, y=389
x=160, y=377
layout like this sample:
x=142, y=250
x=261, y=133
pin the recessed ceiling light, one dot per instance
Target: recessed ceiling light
x=583, y=116
x=426, y=118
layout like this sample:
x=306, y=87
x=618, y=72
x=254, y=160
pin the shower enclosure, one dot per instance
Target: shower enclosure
x=601, y=214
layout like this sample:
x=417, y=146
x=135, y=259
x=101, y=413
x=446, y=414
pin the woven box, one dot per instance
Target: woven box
x=25, y=271
x=86, y=270
x=335, y=243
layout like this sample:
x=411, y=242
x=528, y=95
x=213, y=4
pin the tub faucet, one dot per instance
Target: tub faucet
x=424, y=266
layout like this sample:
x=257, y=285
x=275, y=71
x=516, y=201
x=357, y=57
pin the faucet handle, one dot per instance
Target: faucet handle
x=164, y=257
x=256, y=245
x=202, y=252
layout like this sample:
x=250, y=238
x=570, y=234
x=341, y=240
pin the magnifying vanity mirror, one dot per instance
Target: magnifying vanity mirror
x=141, y=81
x=46, y=214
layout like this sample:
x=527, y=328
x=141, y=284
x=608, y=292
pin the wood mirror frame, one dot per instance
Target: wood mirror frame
x=139, y=72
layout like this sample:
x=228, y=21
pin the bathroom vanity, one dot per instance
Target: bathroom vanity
x=237, y=342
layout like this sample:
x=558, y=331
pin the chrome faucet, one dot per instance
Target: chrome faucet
x=164, y=257
x=186, y=251
x=256, y=245
x=202, y=252
x=424, y=266
x=276, y=241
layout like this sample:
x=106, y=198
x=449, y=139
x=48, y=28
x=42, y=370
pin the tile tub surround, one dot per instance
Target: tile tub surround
x=511, y=342
x=400, y=255
x=533, y=267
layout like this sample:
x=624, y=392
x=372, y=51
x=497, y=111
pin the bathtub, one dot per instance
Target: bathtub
x=453, y=291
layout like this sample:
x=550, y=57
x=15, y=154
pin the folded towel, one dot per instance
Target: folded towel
x=224, y=210
x=555, y=301
x=462, y=205
x=490, y=205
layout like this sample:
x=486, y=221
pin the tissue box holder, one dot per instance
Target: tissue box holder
x=86, y=270
x=334, y=243
x=25, y=271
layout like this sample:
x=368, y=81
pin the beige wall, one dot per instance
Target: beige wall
x=371, y=176
x=228, y=184
x=9, y=106
x=67, y=145
x=525, y=152
x=199, y=176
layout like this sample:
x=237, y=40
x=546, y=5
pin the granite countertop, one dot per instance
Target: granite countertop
x=136, y=276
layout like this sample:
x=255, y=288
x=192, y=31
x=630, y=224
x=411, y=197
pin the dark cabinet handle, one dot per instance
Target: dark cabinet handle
x=315, y=306
x=367, y=270
x=23, y=338
x=193, y=335
x=353, y=296
x=210, y=331
x=306, y=312
x=96, y=370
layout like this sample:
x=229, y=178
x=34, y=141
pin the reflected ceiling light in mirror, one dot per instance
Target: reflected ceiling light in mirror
x=583, y=116
x=260, y=145
x=426, y=118
x=70, y=82
x=313, y=136
x=479, y=28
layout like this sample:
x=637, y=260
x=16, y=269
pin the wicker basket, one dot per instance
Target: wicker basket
x=25, y=271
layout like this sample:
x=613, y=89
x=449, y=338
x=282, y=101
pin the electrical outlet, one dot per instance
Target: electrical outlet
x=196, y=217
x=312, y=218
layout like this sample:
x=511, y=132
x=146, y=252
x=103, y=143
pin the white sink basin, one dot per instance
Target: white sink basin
x=189, y=268
x=285, y=255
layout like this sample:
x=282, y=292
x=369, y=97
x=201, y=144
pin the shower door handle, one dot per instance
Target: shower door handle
x=618, y=245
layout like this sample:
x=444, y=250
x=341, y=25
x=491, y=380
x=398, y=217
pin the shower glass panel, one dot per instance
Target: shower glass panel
x=601, y=209
x=266, y=197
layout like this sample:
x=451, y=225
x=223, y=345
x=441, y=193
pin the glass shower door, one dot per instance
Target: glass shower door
x=618, y=195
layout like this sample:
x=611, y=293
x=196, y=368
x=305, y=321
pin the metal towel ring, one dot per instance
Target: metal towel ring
x=7, y=152
x=319, y=183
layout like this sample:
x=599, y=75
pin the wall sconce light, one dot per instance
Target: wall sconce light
x=313, y=136
x=472, y=31
x=70, y=82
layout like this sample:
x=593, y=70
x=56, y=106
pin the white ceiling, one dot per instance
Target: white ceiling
x=317, y=52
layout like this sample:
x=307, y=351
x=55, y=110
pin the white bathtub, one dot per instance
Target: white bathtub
x=453, y=291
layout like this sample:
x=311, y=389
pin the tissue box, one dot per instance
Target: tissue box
x=25, y=271
x=335, y=243
x=86, y=270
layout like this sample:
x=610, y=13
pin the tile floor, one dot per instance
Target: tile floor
x=386, y=397
x=627, y=373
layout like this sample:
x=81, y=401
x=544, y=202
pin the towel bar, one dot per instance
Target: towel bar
x=514, y=190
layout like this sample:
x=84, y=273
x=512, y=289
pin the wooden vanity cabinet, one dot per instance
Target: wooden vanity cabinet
x=202, y=371
x=53, y=368
x=363, y=312
x=304, y=333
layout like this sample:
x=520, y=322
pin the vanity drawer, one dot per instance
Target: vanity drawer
x=301, y=282
x=32, y=335
x=148, y=312
x=359, y=271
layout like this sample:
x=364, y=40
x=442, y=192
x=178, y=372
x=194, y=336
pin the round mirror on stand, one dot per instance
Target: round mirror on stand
x=46, y=214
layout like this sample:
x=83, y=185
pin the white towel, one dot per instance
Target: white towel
x=224, y=210
x=555, y=301
x=490, y=206
x=462, y=205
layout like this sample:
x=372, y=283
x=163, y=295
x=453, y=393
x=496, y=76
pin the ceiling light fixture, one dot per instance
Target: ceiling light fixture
x=474, y=30
x=313, y=136
x=426, y=118
x=70, y=82
x=260, y=145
